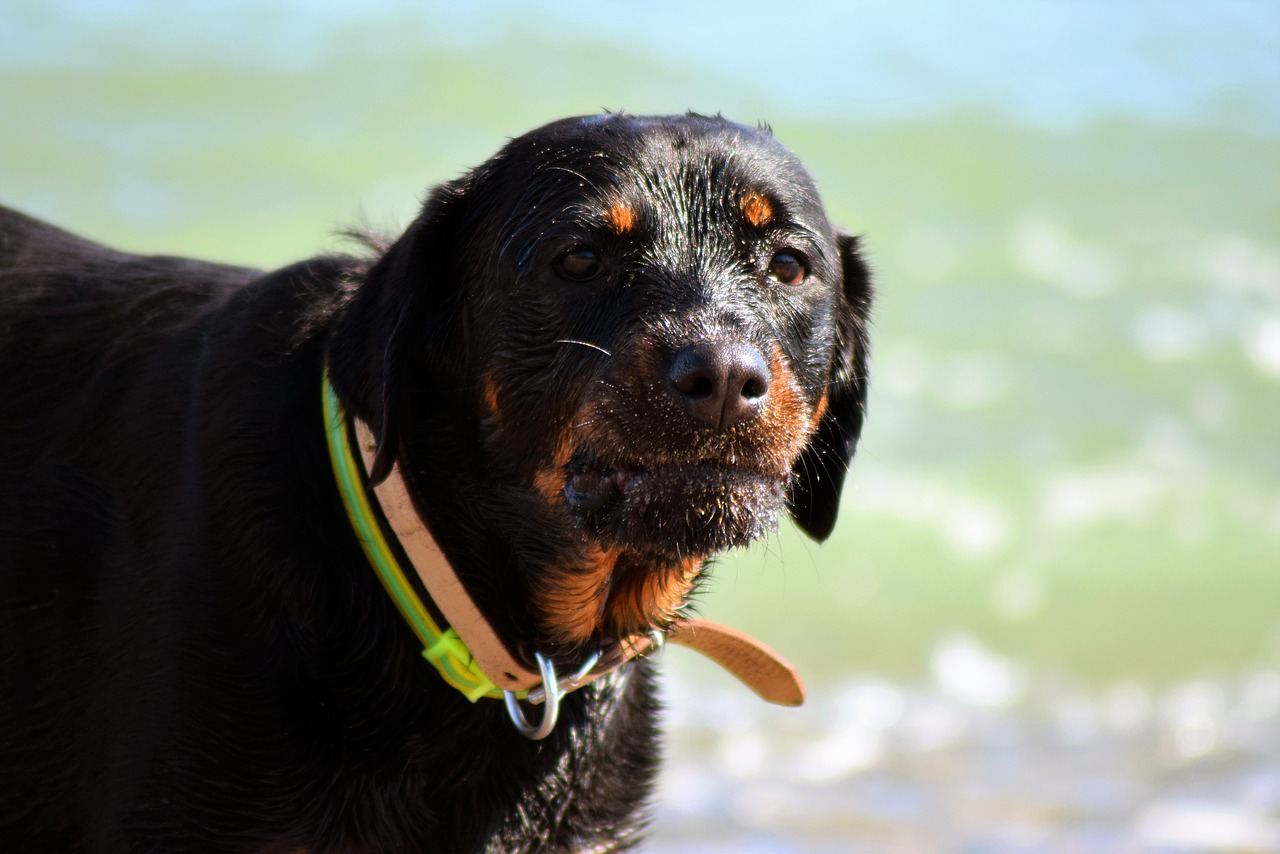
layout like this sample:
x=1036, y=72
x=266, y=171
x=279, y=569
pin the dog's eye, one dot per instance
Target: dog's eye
x=579, y=265
x=787, y=269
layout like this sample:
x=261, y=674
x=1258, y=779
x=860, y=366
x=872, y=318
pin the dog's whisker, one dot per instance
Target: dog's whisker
x=584, y=344
x=585, y=180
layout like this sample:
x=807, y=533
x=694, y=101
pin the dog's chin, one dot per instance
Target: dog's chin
x=674, y=512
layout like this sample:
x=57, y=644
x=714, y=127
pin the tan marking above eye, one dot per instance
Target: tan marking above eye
x=757, y=209
x=489, y=394
x=622, y=217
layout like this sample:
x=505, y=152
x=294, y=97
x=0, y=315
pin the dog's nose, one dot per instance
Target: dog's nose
x=719, y=383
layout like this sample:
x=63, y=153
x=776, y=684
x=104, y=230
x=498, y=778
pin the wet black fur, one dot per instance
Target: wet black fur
x=194, y=654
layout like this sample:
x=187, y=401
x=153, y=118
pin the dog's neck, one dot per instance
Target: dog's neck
x=457, y=638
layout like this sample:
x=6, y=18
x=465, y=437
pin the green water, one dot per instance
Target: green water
x=1072, y=453
x=1074, y=446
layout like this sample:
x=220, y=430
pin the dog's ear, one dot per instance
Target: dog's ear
x=399, y=314
x=813, y=496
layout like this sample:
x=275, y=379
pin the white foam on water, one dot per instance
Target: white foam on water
x=1262, y=346
x=968, y=672
x=959, y=764
x=1073, y=499
x=1206, y=827
x=973, y=380
x=1168, y=334
x=1234, y=263
x=972, y=525
x=1047, y=252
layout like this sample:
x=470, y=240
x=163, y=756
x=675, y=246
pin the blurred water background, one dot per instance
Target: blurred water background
x=1050, y=617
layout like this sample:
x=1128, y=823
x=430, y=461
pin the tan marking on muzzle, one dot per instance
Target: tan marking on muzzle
x=592, y=598
x=650, y=598
x=571, y=601
x=549, y=482
x=787, y=419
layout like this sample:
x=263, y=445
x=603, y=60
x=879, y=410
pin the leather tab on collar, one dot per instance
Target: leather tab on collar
x=755, y=665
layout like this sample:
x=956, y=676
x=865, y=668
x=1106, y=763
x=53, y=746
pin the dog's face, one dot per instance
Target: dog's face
x=662, y=343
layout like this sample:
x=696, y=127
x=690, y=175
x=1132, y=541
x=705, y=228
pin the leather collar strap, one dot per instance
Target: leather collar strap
x=466, y=650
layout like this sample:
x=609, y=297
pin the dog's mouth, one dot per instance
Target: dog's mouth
x=673, y=511
x=644, y=531
x=643, y=495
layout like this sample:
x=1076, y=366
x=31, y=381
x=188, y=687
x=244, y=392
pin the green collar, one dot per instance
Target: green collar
x=441, y=646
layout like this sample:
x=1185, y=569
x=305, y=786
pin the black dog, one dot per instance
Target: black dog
x=619, y=346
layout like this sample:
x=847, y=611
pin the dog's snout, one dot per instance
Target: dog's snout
x=719, y=383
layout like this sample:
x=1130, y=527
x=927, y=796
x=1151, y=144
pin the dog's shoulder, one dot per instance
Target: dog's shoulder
x=33, y=251
x=26, y=241
x=86, y=329
x=49, y=274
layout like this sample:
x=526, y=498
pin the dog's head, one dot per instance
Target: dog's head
x=654, y=333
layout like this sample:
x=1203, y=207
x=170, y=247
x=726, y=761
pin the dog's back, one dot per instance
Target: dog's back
x=75, y=319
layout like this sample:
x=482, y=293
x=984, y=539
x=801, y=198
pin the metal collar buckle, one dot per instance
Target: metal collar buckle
x=553, y=689
x=551, y=695
x=548, y=694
